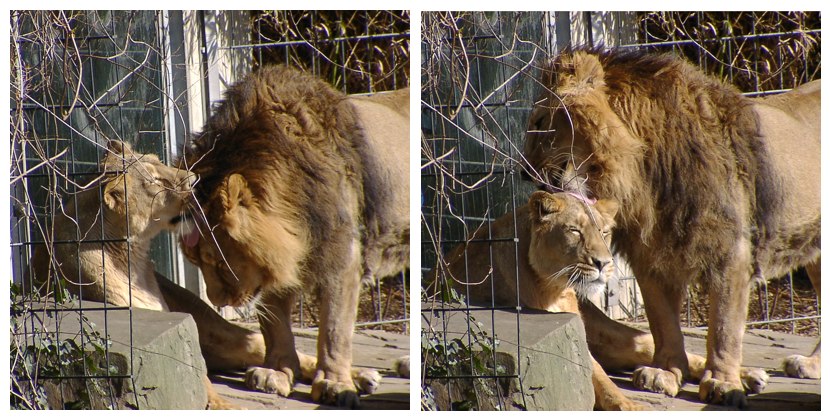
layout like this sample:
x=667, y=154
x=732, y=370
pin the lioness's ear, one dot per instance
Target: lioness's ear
x=117, y=153
x=115, y=192
x=608, y=208
x=546, y=203
x=235, y=192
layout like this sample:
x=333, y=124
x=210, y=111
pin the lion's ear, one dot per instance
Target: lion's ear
x=608, y=208
x=236, y=193
x=585, y=73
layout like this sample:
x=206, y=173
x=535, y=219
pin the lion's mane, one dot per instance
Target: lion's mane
x=689, y=135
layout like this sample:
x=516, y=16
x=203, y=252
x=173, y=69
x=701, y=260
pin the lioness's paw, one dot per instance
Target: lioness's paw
x=268, y=380
x=621, y=403
x=402, y=366
x=797, y=366
x=715, y=391
x=330, y=392
x=367, y=381
x=656, y=380
x=754, y=380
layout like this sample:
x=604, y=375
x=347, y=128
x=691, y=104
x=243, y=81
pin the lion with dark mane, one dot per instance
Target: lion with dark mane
x=713, y=187
x=301, y=187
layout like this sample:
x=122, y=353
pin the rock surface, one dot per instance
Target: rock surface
x=165, y=362
x=542, y=360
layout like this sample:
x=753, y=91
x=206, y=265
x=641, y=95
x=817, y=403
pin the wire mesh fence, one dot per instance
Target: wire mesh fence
x=479, y=80
x=82, y=79
x=78, y=79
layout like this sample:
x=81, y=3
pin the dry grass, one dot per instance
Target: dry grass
x=772, y=304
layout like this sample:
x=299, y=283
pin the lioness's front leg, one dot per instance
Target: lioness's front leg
x=332, y=383
x=607, y=396
x=281, y=366
x=662, y=301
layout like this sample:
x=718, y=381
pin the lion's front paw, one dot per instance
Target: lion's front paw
x=754, y=380
x=268, y=380
x=656, y=380
x=367, y=381
x=797, y=366
x=341, y=394
x=715, y=391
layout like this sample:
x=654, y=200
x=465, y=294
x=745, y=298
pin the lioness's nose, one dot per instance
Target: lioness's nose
x=189, y=180
x=600, y=263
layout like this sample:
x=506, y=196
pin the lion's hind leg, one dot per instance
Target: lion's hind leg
x=799, y=366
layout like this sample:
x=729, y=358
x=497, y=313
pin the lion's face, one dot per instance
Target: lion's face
x=570, y=240
x=241, y=248
x=559, y=154
x=152, y=193
x=231, y=277
x=575, y=140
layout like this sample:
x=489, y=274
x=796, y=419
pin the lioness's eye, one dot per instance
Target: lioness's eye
x=574, y=231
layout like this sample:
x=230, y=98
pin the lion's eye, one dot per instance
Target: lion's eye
x=574, y=231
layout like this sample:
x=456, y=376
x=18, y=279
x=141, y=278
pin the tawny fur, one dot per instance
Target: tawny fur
x=713, y=186
x=303, y=188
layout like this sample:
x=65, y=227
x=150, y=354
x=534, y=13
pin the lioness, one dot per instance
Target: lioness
x=301, y=187
x=713, y=187
x=563, y=260
x=151, y=197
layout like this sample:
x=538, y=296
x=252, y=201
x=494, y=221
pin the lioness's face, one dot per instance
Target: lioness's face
x=570, y=240
x=151, y=193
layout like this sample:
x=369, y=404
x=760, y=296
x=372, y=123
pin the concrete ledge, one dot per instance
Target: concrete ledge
x=547, y=352
x=165, y=369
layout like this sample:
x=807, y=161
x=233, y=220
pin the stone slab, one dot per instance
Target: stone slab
x=165, y=363
x=546, y=351
x=371, y=349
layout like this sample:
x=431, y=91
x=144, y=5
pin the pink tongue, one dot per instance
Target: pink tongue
x=586, y=200
x=192, y=238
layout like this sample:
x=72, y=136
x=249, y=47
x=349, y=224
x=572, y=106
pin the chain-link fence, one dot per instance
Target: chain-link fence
x=479, y=82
